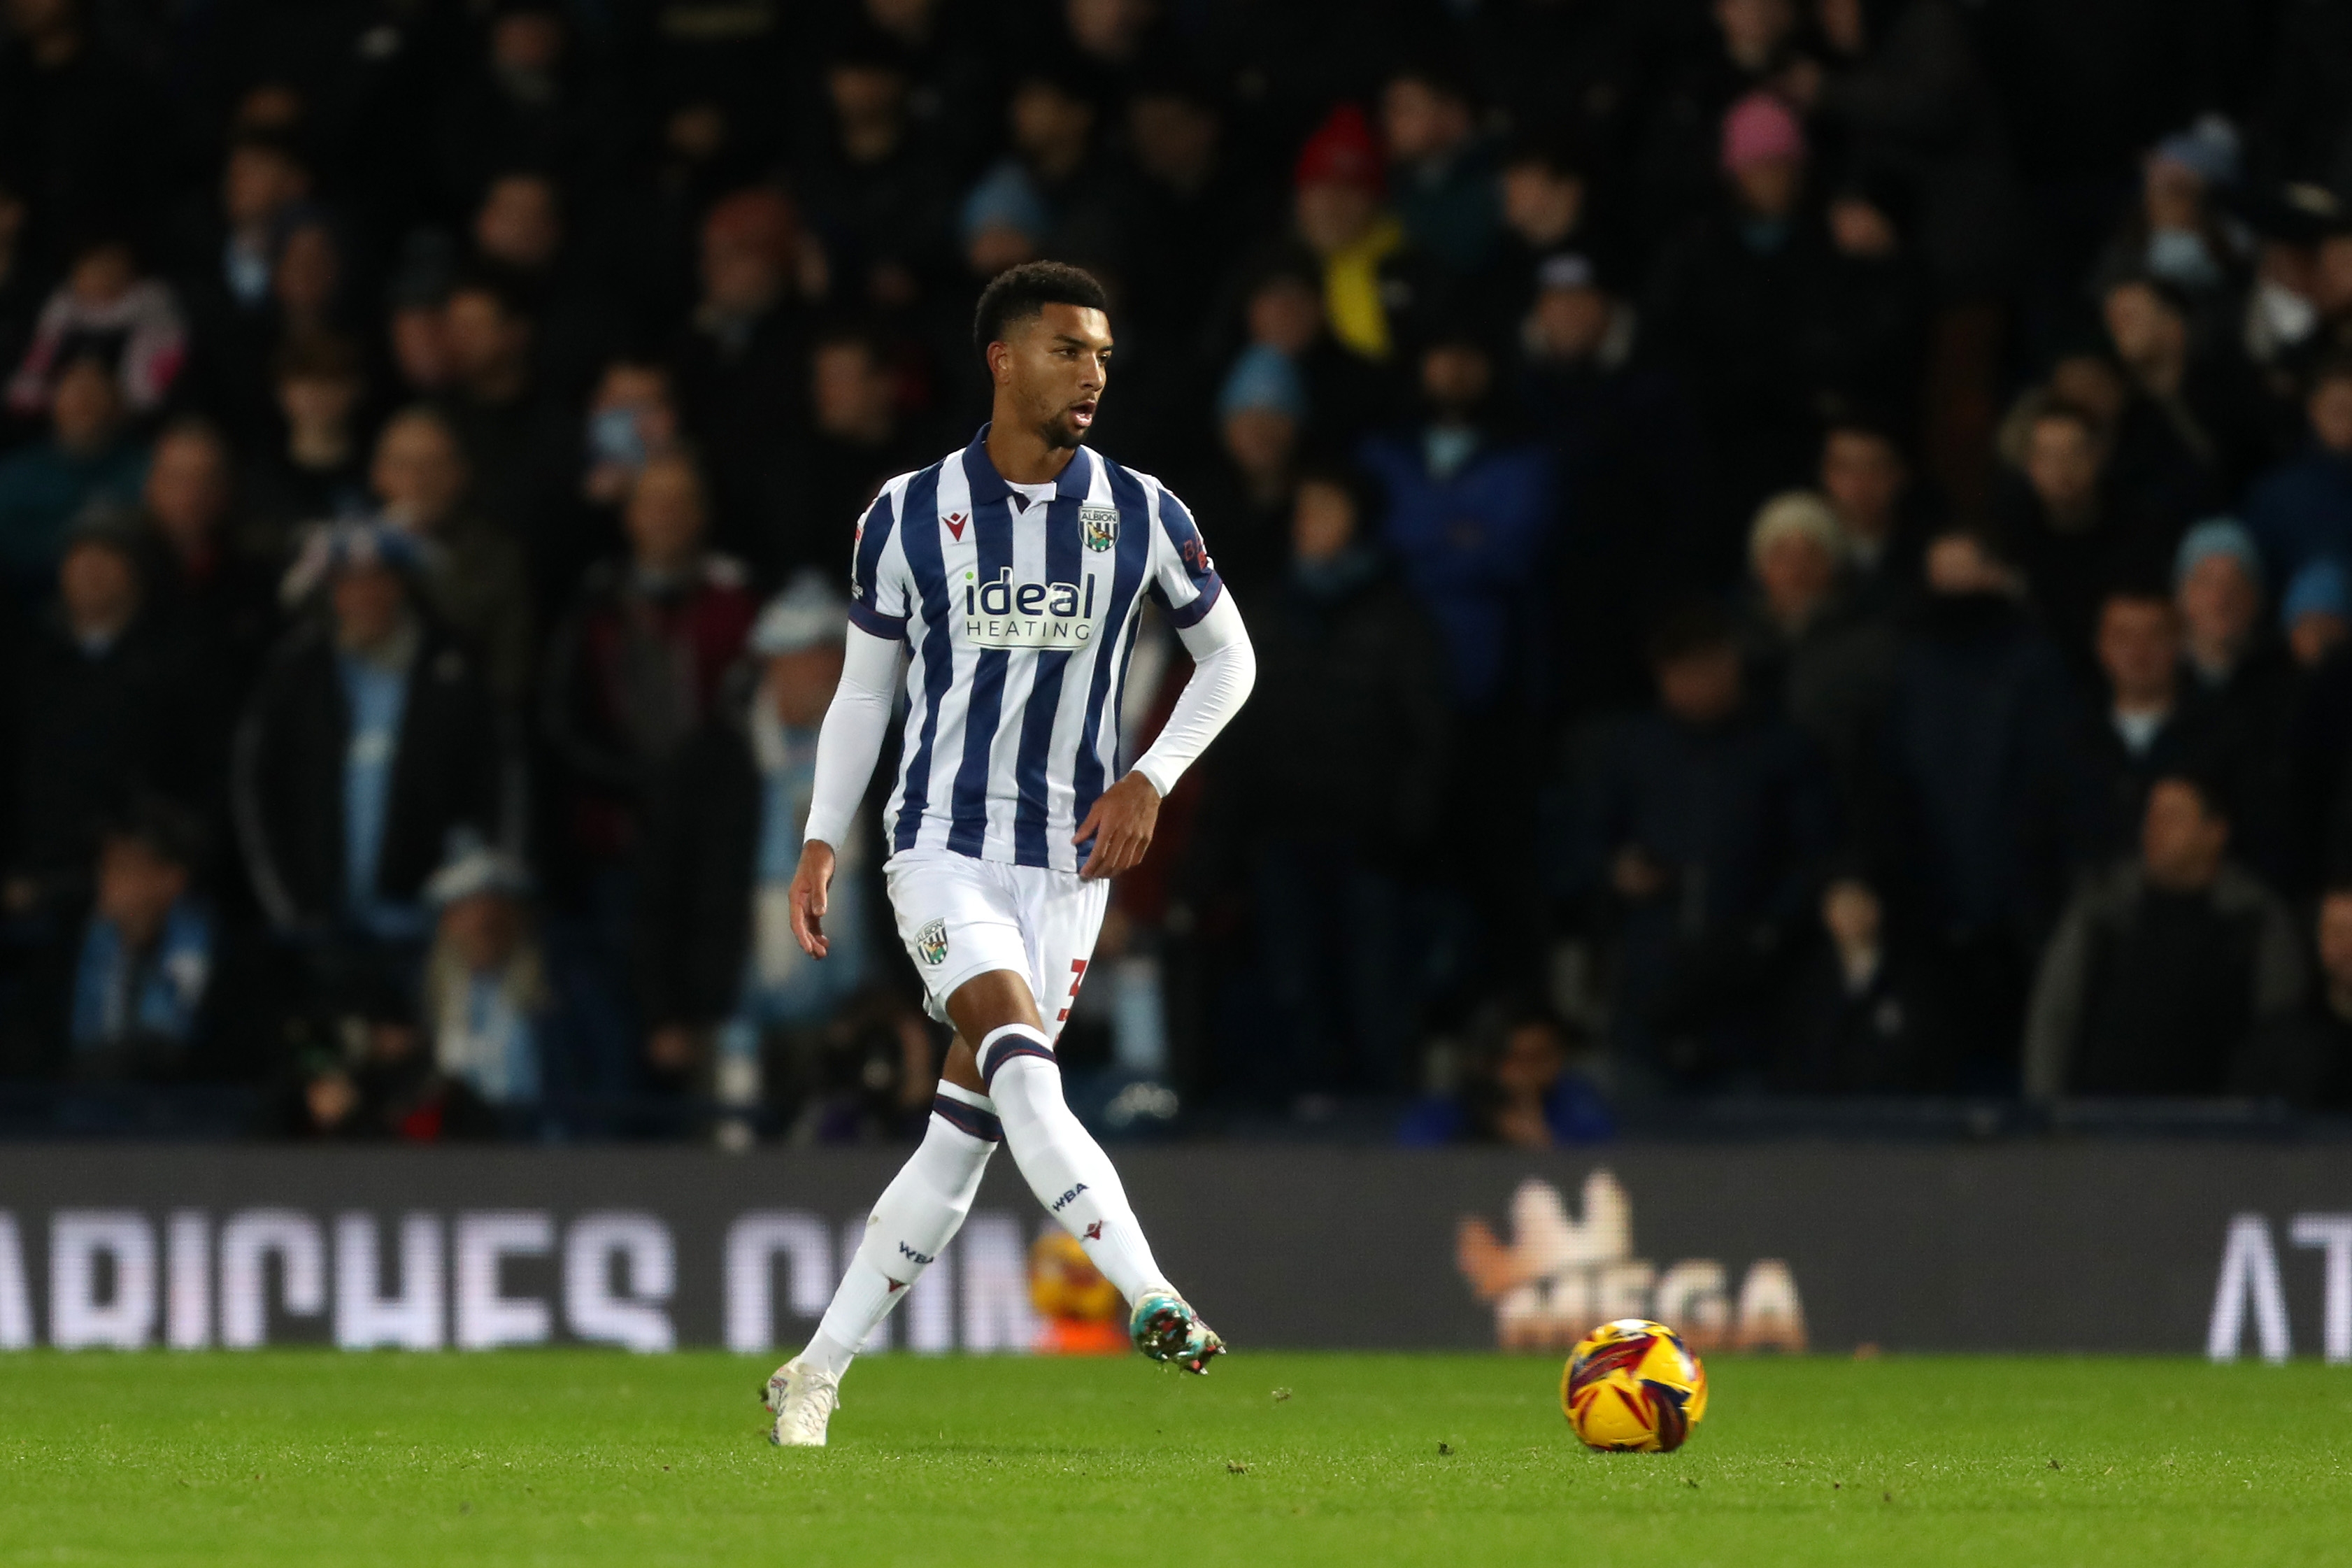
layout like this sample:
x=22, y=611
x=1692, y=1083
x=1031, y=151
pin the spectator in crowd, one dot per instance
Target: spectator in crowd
x=319, y=470
x=2071, y=528
x=368, y=748
x=633, y=418
x=1053, y=120
x=2304, y=1056
x=1812, y=650
x=2248, y=681
x=109, y=705
x=874, y=186
x=505, y=428
x=2164, y=968
x=1442, y=172
x=1468, y=511
x=1372, y=281
x=2218, y=577
x=1706, y=821
x=2282, y=314
x=1528, y=1089
x=126, y=991
x=1904, y=86
x=1547, y=212
x=216, y=595
x=738, y=364
x=417, y=332
x=488, y=1006
x=2316, y=611
x=1341, y=761
x=1867, y=481
x=1630, y=457
x=377, y=1080
x=1747, y=53
x=1003, y=220
x=1733, y=300
x=522, y=239
x=1862, y=1016
x=1282, y=309
x=860, y=442
x=1262, y=414
x=530, y=95
x=262, y=179
x=2176, y=231
x=1983, y=810
x=104, y=309
x=470, y=568
x=637, y=664
x=88, y=458
x=2302, y=508
x=2206, y=407
x=718, y=968
x=2148, y=730
x=1188, y=194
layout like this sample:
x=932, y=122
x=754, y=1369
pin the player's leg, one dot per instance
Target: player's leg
x=953, y=919
x=1064, y=1165
x=911, y=1224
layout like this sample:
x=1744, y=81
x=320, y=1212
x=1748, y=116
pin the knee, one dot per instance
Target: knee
x=1016, y=1047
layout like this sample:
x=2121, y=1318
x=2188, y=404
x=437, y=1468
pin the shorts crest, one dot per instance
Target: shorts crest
x=931, y=944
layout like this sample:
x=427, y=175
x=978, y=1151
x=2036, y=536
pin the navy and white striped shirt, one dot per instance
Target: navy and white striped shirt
x=1021, y=615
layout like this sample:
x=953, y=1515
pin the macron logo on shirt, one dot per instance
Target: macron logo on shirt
x=1006, y=615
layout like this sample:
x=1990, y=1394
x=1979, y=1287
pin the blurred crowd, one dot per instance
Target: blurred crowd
x=1795, y=546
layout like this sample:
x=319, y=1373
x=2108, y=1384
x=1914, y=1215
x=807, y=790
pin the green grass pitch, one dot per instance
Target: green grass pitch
x=577, y=1458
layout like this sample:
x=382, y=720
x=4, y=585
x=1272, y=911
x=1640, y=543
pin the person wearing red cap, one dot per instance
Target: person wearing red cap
x=1341, y=216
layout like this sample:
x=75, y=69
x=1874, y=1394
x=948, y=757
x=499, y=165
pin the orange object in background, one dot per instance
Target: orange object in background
x=1081, y=1311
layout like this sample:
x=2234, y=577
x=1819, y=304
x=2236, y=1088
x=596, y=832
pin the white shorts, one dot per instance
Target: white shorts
x=961, y=916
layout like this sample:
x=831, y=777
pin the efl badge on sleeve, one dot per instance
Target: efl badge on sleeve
x=1100, y=524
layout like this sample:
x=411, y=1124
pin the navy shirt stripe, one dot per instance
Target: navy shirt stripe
x=1134, y=554
x=1064, y=564
x=991, y=528
x=922, y=546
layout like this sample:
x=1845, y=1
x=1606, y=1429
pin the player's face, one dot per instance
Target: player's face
x=1050, y=372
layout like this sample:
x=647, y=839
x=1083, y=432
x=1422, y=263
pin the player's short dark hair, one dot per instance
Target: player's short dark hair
x=1017, y=293
x=1697, y=626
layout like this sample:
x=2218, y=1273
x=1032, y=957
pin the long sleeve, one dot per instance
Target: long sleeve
x=1225, y=668
x=851, y=739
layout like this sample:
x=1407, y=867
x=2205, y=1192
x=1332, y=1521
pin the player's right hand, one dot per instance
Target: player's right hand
x=807, y=897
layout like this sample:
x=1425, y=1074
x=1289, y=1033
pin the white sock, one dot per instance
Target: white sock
x=1060, y=1160
x=913, y=1223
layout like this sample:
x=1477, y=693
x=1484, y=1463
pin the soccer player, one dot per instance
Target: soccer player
x=1013, y=572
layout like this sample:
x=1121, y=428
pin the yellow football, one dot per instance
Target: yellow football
x=1634, y=1385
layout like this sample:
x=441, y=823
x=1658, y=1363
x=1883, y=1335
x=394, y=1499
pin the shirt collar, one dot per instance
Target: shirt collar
x=988, y=485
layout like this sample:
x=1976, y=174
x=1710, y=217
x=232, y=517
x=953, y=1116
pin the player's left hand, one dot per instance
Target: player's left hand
x=1120, y=825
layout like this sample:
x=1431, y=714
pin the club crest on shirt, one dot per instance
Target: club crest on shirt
x=931, y=944
x=1100, y=524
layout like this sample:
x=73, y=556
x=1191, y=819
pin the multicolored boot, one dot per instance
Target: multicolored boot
x=1166, y=1329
